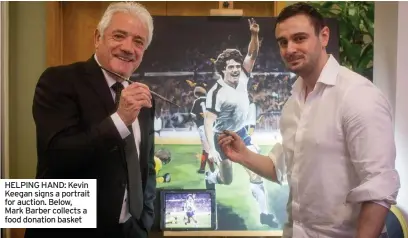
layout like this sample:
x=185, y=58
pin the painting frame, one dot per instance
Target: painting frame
x=143, y=72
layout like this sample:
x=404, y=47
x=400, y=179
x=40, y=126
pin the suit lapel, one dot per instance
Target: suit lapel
x=96, y=79
x=146, y=130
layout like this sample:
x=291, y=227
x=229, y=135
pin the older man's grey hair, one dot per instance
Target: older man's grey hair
x=135, y=9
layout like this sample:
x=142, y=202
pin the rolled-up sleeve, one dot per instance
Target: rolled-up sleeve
x=277, y=155
x=368, y=125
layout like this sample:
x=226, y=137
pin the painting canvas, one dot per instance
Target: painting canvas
x=179, y=65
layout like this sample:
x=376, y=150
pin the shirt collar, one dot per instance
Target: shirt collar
x=328, y=76
x=222, y=83
x=109, y=79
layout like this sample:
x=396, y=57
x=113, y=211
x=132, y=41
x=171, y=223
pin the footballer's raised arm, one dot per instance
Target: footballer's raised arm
x=253, y=48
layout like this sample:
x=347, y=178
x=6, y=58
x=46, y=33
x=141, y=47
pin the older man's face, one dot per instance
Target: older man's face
x=122, y=45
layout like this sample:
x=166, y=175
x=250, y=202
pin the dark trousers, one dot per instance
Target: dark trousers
x=132, y=228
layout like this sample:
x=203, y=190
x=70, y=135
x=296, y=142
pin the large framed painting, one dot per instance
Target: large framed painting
x=183, y=65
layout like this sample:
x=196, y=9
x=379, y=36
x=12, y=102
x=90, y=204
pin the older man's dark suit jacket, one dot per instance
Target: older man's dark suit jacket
x=76, y=139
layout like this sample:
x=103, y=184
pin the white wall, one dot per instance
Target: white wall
x=391, y=76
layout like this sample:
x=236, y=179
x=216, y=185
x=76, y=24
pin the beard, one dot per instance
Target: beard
x=295, y=63
x=302, y=65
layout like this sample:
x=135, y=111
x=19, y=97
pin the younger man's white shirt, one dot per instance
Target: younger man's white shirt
x=339, y=152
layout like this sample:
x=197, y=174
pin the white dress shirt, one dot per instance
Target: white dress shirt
x=124, y=132
x=339, y=152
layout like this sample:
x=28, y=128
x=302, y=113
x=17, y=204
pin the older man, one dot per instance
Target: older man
x=338, y=140
x=91, y=124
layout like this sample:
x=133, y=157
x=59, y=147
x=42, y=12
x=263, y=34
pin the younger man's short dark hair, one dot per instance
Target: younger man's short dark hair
x=302, y=8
